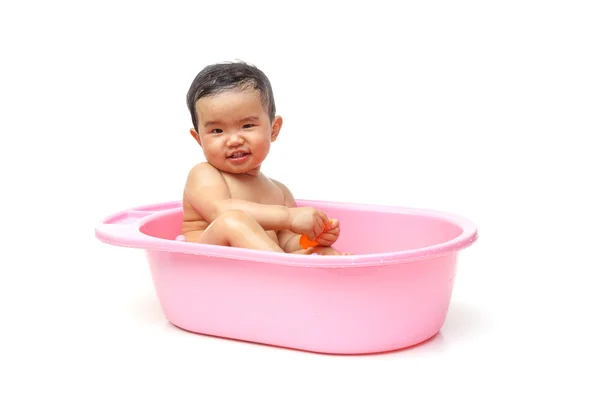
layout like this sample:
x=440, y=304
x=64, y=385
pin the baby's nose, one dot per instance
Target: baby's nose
x=235, y=139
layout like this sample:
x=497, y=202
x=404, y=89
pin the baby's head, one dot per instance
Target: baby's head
x=233, y=116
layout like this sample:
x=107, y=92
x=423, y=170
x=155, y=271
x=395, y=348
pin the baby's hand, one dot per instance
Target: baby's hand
x=331, y=234
x=307, y=221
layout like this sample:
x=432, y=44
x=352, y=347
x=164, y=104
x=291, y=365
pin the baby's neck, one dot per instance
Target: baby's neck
x=254, y=173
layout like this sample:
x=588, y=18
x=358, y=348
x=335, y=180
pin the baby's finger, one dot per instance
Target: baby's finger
x=323, y=217
x=317, y=227
x=330, y=229
x=334, y=232
x=327, y=238
x=321, y=224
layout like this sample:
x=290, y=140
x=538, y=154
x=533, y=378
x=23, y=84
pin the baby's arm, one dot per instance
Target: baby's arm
x=207, y=192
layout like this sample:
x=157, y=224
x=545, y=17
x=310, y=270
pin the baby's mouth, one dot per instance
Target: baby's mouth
x=238, y=154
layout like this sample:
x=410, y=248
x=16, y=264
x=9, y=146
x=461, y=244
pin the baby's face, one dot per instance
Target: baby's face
x=234, y=130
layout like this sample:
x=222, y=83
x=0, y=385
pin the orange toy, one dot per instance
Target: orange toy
x=306, y=243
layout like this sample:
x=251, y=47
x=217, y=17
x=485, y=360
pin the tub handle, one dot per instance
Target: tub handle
x=123, y=228
x=126, y=217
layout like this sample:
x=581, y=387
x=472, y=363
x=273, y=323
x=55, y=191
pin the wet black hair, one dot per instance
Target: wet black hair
x=238, y=75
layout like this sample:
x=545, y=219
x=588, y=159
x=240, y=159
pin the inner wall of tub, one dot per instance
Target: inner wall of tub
x=362, y=232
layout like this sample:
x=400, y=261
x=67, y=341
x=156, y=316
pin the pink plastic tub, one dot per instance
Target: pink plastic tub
x=393, y=293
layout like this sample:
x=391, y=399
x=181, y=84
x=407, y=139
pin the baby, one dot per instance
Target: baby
x=227, y=200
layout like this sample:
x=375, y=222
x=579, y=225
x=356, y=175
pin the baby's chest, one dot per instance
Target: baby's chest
x=262, y=194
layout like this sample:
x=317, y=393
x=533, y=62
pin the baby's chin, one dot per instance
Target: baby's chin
x=236, y=170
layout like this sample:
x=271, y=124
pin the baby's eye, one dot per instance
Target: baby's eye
x=248, y=126
x=216, y=130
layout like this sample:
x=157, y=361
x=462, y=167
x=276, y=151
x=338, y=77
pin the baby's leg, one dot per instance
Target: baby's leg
x=235, y=229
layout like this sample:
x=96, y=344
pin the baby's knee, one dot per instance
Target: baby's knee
x=233, y=219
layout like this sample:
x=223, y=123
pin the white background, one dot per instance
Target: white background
x=485, y=109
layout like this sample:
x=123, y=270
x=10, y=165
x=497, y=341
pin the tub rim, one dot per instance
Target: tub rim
x=130, y=235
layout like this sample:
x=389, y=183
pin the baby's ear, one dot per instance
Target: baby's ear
x=276, y=127
x=195, y=136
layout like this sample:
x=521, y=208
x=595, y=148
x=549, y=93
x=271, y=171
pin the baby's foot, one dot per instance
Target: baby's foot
x=330, y=251
x=322, y=251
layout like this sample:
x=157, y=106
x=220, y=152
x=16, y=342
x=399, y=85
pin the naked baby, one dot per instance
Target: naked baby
x=227, y=200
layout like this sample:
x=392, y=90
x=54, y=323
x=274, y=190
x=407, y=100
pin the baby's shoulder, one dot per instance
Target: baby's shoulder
x=203, y=167
x=204, y=173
